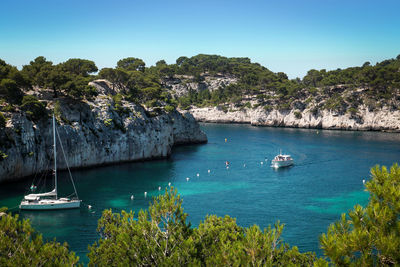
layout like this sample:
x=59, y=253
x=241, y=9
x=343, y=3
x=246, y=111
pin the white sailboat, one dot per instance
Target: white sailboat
x=50, y=200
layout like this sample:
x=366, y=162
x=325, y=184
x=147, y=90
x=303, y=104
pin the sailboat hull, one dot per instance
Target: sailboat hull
x=49, y=200
x=50, y=205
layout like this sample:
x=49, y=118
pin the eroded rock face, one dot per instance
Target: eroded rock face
x=182, y=84
x=378, y=120
x=93, y=133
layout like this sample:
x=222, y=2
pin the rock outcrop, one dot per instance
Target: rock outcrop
x=181, y=85
x=365, y=120
x=93, y=133
x=340, y=106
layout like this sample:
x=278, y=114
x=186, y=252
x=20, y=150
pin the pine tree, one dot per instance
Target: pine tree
x=20, y=245
x=369, y=236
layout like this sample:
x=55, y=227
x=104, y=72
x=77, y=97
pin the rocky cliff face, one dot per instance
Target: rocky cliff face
x=93, y=133
x=377, y=120
x=180, y=85
x=331, y=107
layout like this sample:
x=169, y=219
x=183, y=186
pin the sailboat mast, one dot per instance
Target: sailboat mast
x=55, y=154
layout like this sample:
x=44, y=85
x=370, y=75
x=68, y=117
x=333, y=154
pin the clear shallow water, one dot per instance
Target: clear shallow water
x=325, y=182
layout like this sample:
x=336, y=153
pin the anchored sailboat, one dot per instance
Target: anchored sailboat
x=50, y=200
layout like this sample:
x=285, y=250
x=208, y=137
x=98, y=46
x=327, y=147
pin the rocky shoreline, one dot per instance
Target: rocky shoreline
x=93, y=133
x=377, y=120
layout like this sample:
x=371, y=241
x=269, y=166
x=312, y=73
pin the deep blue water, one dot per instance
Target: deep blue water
x=325, y=182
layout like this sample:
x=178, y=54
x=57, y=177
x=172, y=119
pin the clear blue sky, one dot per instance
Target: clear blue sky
x=292, y=36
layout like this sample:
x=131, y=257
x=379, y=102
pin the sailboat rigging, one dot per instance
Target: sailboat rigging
x=50, y=200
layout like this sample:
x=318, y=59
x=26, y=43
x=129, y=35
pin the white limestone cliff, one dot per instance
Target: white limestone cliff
x=377, y=120
x=93, y=133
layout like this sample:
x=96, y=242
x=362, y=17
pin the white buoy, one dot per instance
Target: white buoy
x=89, y=206
x=169, y=184
x=262, y=163
x=209, y=171
x=145, y=194
x=198, y=175
x=227, y=167
x=159, y=188
x=187, y=179
x=363, y=181
x=132, y=197
x=244, y=165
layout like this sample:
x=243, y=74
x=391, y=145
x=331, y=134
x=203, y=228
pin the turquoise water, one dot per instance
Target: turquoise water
x=325, y=182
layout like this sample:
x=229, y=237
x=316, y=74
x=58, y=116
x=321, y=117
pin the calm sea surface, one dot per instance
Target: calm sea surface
x=325, y=182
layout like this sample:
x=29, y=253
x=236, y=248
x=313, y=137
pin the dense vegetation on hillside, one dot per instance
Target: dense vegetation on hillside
x=148, y=85
x=382, y=81
x=161, y=235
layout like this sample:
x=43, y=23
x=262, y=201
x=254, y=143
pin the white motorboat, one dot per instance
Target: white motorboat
x=282, y=161
x=50, y=200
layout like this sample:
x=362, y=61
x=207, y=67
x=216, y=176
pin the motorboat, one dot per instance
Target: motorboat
x=282, y=161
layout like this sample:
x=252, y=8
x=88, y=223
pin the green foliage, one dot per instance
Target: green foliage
x=298, y=114
x=131, y=64
x=3, y=120
x=369, y=236
x=247, y=105
x=10, y=91
x=335, y=103
x=140, y=84
x=21, y=246
x=108, y=122
x=37, y=70
x=71, y=77
x=161, y=236
x=77, y=66
x=268, y=108
x=79, y=88
x=118, y=106
x=57, y=110
x=34, y=109
x=3, y=155
x=284, y=106
x=352, y=111
x=381, y=78
x=169, y=108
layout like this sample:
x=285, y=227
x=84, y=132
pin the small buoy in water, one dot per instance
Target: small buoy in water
x=169, y=184
x=159, y=188
x=244, y=165
x=198, y=175
x=317, y=132
x=89, y=206
x=187, y=179
x=209, y=171
x=262, y=163
x=145, y=194
x=227, y=167
x=363, y=181
x=132, y=197
x=226, y=140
